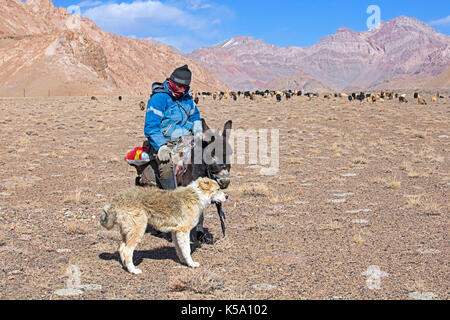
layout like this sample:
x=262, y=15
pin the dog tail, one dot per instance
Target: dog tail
x=108, y=217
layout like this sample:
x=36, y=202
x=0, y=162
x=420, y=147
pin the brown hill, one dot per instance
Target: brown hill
x=45, y=50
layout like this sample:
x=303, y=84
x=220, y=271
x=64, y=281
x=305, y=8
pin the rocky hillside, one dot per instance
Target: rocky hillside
x=46, y=51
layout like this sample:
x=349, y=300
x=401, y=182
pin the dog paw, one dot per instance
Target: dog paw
x=194, y=264
x=132, y=269
x=136, y=271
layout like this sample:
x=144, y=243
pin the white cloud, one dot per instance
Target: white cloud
x=441, y=22
x=89, y=3
x=116, y=17
x=198, y=4
x=185, y=24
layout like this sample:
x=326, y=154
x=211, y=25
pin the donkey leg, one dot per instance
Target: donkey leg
x=203, y=234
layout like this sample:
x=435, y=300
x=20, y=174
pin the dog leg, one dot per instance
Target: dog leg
x=177, y=247
x=133, y=237
x=121, y=248
x=183, y=242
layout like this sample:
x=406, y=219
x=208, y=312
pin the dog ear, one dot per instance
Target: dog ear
x=204, y=183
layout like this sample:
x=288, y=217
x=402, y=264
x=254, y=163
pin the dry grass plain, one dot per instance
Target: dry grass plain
x=360, y=185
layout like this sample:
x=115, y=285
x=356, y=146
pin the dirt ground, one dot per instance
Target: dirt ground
x=358, y=209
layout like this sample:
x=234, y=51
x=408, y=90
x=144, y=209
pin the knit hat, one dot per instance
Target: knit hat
x=182, y=75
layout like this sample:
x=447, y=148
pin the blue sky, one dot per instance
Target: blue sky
x=189, y=24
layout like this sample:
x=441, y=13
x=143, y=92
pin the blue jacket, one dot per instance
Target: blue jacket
x=169, y=118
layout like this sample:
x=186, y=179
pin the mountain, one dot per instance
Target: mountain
x=245, y=63
x=298, y=81
x=45, y=50
x=403, y=47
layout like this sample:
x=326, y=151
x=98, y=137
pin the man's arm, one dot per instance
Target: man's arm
x=194, y=117
x=153, y=118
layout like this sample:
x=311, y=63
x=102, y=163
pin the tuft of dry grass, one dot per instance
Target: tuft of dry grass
x=253, y=190
x=78, y=197
x=295, y=161
x=394, y=184
x=414, y=174
x=432, y=209
x=418, y=134
x=414, y=201
x=274, y=200
x=405, y=166
x=204, y=282
x=76, y=228
x=358, y=239
x=359, y=160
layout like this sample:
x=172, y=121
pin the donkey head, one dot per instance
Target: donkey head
x=217, y=153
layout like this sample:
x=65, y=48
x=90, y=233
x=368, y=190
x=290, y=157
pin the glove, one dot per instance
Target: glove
x=164, y=153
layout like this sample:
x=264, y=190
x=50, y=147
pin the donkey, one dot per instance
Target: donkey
x=214, y=165
x=217, y=167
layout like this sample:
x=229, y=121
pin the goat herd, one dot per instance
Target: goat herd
x=288, y=94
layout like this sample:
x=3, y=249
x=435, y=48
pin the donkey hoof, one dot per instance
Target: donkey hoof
x=205, y=237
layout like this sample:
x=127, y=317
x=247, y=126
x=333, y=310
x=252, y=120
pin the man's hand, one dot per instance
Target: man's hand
x=164, y=153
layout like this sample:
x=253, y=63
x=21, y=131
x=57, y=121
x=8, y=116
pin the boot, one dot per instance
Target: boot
x=168, y=184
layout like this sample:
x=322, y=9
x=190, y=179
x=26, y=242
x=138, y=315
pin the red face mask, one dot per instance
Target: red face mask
x=178, y=90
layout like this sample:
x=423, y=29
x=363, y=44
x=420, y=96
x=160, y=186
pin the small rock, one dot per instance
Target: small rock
x=301, y=202
x=358, y=211
x=348, y=175
x=14, y=272
x=443, y=136
x=422, y=295
x=68, y=292
x=254, y=166
x=362, y=221
x=428, y=251
x=276, y=206
x=5, y=194
x=337, y=200
x=92, y=287
x=263, y=286
x=343, y=194
x=63, y=250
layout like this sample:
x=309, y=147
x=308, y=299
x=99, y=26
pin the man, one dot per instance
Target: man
x=171, y=113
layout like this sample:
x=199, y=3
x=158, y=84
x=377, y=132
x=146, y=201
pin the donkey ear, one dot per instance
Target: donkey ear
x=204, y=125
x=227, y=127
